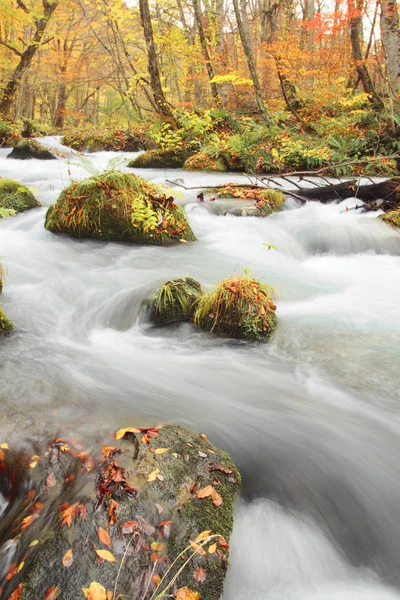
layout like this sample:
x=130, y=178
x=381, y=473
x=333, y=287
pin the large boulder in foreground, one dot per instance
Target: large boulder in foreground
x=238, y=307
x=153, y=503
x=174, y=302
x=27, y=149
x=161, y=159
x=118, y=206
x=15, y=197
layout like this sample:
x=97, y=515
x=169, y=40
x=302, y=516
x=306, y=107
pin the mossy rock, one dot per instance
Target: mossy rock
x=264, y=201
x=205, y=161
x=109, y=139
x=10, y=134
x=5, y=324
x=392, y=217
x=16, y=197
x=238, y=307
x=117, y=206
x=27, y=149
x=174, y=302
x=160, y=159
x=152, y=491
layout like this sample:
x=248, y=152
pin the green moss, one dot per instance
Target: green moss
x=175, y=301
x=28, y=148
x=118, y=206
x=109, y=139
x=265, y=201
x=392, y=217
x=15, y=196
x=9, y=134
x=205, y=161
x=238, y=307
x=5, y=324
x=160, y=159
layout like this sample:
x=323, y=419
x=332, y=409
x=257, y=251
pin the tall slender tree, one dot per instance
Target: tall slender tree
x=390, y=35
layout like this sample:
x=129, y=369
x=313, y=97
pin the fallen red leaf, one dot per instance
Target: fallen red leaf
x=200, y=575
x=52, y=593
x=68, y=559
x=51, y=480
x=104, y=536
x=16, y=593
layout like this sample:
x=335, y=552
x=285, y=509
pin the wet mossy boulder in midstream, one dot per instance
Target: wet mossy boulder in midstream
x=150, y=514
x=392, y=217
x=5, y=324
x=204, y=160
x=109, y=139
x=28, y=148
x=262, y=202
x=174, y=302
x=116, y=206
x=239, y=307
x=15, y=198
x=161, y=159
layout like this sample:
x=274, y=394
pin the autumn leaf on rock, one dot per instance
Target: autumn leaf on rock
x=153, y=475
x=95, y=592
x=68, y=559
x=210, y=491
x=129, y=527
x=200, y=575
x=157, y=546
x=51, y=480
x=122, y=432
x=52, y=593
x=203, y=535
x=104, y=537
x=112, y=517
x=222, y=542
x=197, y=548
x=106, y=555
x=185, y=593
x=212, y=548
x=16, y=594
x=161, y=450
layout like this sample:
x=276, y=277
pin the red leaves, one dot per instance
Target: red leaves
x=51, y=480
x=104, y=537
x=52, y=593
x=67, y=559
x=164, y=529
x=129, y=527
x=200, y=575
x=186, y=594
x=16, y=593
x=68, y=511
x=217, y=467
x=112, y=517
x=210, y=491
x=145, y=527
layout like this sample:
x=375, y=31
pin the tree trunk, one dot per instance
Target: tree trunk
x=162, y=106
x=390, y=35
x=26, y=56
x=243, y=27
x=355, y=16
x=204, y=48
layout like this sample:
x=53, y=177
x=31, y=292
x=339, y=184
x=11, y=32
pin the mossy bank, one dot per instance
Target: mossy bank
x=15, y=198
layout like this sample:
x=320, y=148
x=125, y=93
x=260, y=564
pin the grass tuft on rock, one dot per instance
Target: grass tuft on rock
x=27, y=148
x=160, y=159
x=238, y=307
x=118, y=206
x=5, y=324
x=392, y=217
x=205, y=161
x=175, y=301
x=15, y=197
x=265, y=201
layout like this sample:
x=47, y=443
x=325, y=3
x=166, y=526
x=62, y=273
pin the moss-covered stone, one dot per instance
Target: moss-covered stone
x=264, y=201
x=238, y=307
x=144, y=490
x=118, y=206
x=205, y=161
x=392, y=217
x=16, y=197
x=5, y=324
x=134, y=140
x=174, y=302
x=28, y=148
x=10, y=134
x=160, y=159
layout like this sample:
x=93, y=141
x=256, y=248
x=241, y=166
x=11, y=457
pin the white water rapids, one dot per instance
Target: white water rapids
x=311, y=419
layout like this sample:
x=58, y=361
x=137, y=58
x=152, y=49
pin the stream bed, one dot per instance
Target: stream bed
x=311, y=419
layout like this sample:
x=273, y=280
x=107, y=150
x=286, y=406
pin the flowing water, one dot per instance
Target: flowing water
x=311, y=419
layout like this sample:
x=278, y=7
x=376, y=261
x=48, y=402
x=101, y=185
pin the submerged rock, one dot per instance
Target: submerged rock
x=154, y=503
x=175, y=301
x=160, y=159
x=118, y=206
x=238, y=307
x=5, y=324
x=205, y=161
x=27, y=149
x=15, y=197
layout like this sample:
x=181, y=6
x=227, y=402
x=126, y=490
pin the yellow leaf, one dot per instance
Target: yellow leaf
x=34, y=543
x=20, y=566
x=95, y=591
x=106, y=555
x=4, y=446
x=161, y=450
x=203, y=535
x=67, y=559
x=153, y=475
x=212, y=548
x=33, y=464
x=35, y=457
x=121, y=432
x=186, y=594
x=157, y=546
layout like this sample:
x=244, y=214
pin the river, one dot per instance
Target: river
x=311, y=419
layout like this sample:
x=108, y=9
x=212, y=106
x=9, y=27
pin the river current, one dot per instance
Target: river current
x=311, y=419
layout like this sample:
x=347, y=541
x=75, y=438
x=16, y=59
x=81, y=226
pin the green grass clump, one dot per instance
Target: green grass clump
x=5, y=324
x=118, y=206
x=392, y=217
x=238, y=307
x=160, y=159
x=175, y=301
x=265, y=201
x=205, y=161
x=109, y=139
x=28, y=148
x=15, y=197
